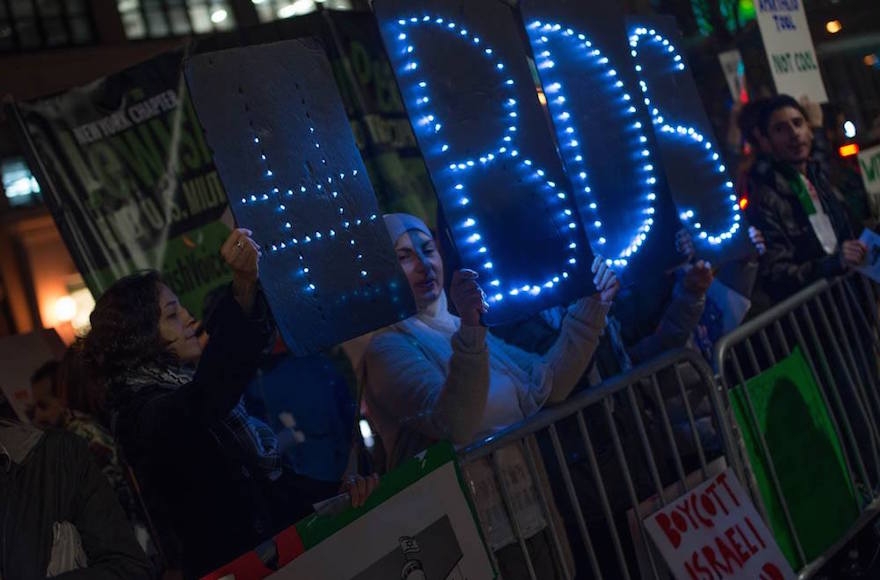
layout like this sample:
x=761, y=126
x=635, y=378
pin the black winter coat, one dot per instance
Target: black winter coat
x=57, y=481
x=795, y=257
x=215, y=508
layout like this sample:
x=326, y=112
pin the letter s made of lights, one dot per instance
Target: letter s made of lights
x=458, y=198
x=705, y=158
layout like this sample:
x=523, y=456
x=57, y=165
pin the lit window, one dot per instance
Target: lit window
x=268, y=10
x=36, y=24
x=18, y=182
x=158, y=18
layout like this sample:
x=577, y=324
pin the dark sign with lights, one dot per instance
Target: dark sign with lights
x=288, y=160
x=627, y=123
x=604, y=134
x=699, y=181
x=463, y=73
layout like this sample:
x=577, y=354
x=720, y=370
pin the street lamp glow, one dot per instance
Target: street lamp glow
x=65, y=309
x=297, y=7
x=218, y=16
x=833, y=26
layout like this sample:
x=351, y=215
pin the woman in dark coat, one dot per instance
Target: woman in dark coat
x=211, y=474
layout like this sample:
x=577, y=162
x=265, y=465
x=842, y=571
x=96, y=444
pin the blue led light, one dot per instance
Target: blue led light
x=545, y=38
x=663, y=127
x=287, y=237
x=466, y=227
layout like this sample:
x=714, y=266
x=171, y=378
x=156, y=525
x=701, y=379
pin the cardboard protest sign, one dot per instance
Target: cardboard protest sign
x=871, y=268
x=635, y=518
x=285, y=153
x=465, y=80
x=810, y=468
x=869, y=167
x=789, y=47
x=699, y=181
x=604, y=132
x=734, y=72
x=714, y=531
x=397, y=534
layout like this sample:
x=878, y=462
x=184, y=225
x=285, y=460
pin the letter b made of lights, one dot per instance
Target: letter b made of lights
x=463, y=73
x=462, y=70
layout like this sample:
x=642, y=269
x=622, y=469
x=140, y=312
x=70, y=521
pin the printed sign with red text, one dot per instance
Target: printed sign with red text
x=715, y=532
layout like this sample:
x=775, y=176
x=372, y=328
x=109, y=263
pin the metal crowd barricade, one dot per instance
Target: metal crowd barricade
x=835, y=325
x=649, y=434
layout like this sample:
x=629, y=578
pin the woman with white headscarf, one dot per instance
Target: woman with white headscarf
x=436, y=376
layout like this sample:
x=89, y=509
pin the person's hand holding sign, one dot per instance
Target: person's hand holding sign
x=605, y=280
x=242, y=254
x=698, y=278
x=853, y=253
x=468, y=297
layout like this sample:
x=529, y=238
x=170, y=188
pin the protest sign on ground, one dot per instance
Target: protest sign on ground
x=714, y=531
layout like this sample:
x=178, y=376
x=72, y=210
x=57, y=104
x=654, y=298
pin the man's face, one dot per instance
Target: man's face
x=789, y=136
x=48, y=409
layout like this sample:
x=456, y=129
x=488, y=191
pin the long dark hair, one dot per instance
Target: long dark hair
x=125, y=328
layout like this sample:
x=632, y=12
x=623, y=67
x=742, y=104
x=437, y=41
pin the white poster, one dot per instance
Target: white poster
x=652, y=504
x=732, y=65
x=714, y=531
x=407, y=537
x=789, y=48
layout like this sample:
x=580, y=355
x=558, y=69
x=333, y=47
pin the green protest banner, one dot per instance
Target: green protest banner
x=377, y=114
x=129, y=178
x=790, y=414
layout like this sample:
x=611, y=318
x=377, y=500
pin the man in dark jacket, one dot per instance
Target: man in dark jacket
x=806, y=228
x=58, y=515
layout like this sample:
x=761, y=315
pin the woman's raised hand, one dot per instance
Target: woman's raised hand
x=242, y=254
x=468, y=297
x=604, y=279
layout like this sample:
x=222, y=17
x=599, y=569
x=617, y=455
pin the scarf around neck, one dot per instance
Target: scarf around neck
x=247, y=438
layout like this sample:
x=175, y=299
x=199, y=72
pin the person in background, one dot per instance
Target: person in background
x=805, y=227
x=66, y=398
x=209, y=471
x=47, y=410
x=436, y=376
x=58, y=516
x=843, y=172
